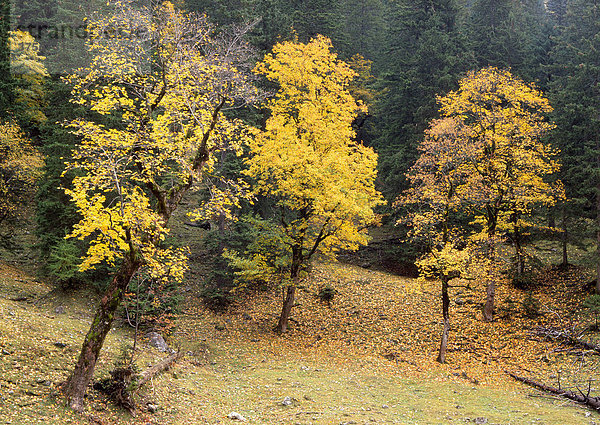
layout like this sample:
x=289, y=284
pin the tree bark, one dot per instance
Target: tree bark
x=564, y=238
x=519, y=258
x=598, y=238
x=288, y=303
x=488, y=309
x=161, y=366
x=446, y=315
x=75, y=387
x=578, y=397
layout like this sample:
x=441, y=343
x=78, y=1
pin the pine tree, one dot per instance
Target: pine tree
x=422, y=60
x=6, y=82
x=508, y=34
x=576, y=96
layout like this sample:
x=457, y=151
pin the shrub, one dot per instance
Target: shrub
x=326, y=293
x=152, y=304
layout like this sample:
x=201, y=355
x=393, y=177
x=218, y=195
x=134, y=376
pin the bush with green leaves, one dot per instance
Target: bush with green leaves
x=152, y=303
x=217, y=288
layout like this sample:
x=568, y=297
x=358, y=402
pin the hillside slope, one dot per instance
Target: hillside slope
x=365, y=358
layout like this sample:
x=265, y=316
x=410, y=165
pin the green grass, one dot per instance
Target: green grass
x=223, y=373
x=351, y=394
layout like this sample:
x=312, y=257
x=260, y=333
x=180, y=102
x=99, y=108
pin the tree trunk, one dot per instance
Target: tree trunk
x=564, y=238
x=161, y=366
x=598, y=238
x=446, y=315
x=580, y=397
x=75, y=387
x=488, y=309
x=288, y=303
x=519, y=258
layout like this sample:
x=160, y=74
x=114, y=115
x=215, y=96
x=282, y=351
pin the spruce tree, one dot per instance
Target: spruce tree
x=508, y=34
x=576, y=99
x=423, y=58
x=6, y=83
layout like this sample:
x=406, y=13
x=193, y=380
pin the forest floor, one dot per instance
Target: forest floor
x=365, y=357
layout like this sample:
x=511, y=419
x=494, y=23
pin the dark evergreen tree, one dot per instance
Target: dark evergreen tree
x=508, y=34
x=423, y=58
x=576, y=99
x=55, y=213
x=364, y=28
x=6, y=83
x=313, y=17
x=557, y=9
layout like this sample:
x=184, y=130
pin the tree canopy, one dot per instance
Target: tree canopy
x=307, y=161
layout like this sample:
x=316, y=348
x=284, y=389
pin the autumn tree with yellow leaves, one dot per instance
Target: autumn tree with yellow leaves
x=483, y=160
x=503, y=119
x=164, y=80
x=438, y=184
x=307, y=160
x=20, y=168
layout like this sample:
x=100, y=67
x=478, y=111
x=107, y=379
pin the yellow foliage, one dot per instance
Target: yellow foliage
x=166, y=80
x=502, y=118
x=20, y=168
x=29, y=72
x=484, y=160
x=306, y=158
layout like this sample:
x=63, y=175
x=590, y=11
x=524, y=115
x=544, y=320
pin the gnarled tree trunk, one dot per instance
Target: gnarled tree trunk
x=75, y=387
x=288, y=303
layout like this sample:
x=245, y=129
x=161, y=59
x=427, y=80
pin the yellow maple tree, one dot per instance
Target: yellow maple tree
x=307, y=161
x=503, y=118
x=484, y=161
x=438, y=185
x=20, y=168
x=162, y=82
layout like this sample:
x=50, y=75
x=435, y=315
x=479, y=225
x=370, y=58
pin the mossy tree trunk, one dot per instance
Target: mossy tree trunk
x=75, y=387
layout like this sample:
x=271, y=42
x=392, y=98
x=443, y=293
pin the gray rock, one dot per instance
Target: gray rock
x=157, y=341
x=60, y=310
x=287, y=401
x=481, y=421
x=236, y=417
x=152, y=408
